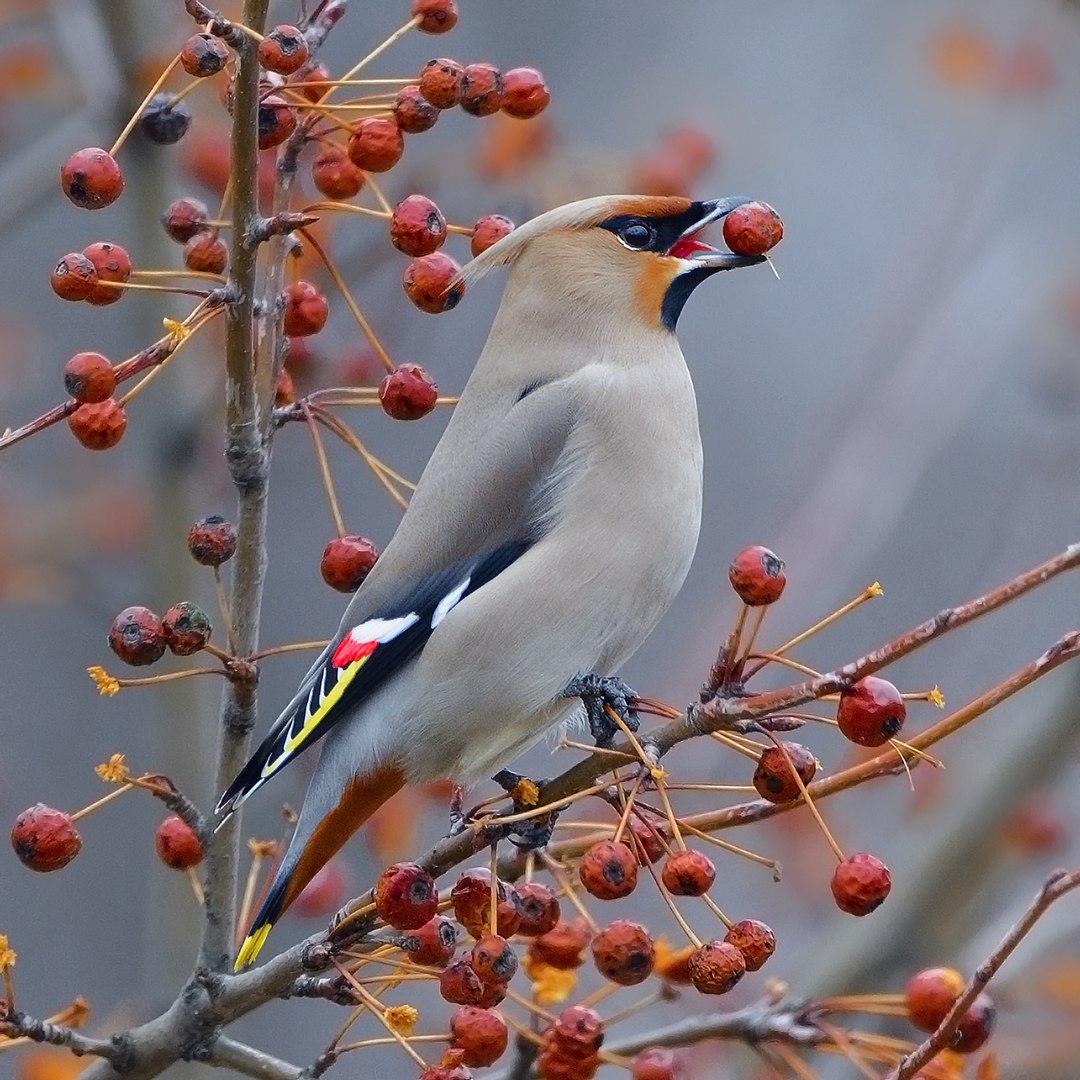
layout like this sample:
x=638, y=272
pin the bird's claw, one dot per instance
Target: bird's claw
x=598, y=693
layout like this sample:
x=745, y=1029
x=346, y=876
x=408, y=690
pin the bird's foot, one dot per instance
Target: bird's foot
x=600, y=693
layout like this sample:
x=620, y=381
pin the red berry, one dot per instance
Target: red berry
x=324, y=893
x=187, y=628
x=284, y=50
x=432, y=945
x=489, y=230
x=206, y=252
x=212, y=541
x=471, y=897
x=481, y=1033
x=860, y=884
x=277, y=121
x=184, y=218
x=408, y=393
x=757, y=575
x=427, y=283
x=555, y=1064
x=436, y=16
x=177, y=845
x=100, y=425
x=608, y=870
x=539, y=909
x=164, y=120
x=45, y=839
x=930, y=994
x=306, y=309
x=315, y=73
x=647, y=842
x=413, y=113
x=563, y=946
x=112, y=264
x=137, y=637
x=976, y=1025
x=688, y=873
x=346, y=561
x=91, y=178
x=624, y=953
x=577, y=1029
x=774, y=777
x=440, y=82
x=481, y=89
x=417, y=226
x=405, y=896
x=203, y=55
x=715, y=968
x=656, y=1063
x=493, y=959
x=755, y=940
x=74, y=277
x=460, y=985
x=334, y=174
x=89, y=377
x=753, y=228
x=376, y=145
x=525, y=93
x=871, y=712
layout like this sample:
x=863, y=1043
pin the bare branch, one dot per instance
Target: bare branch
x=229, y=1054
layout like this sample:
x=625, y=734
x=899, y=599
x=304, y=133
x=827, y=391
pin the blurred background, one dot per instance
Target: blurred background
x=902, y=405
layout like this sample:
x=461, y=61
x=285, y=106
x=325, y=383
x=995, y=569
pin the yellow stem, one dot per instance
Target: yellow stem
x=324, y=472
x=377, y=51
x=96, y=805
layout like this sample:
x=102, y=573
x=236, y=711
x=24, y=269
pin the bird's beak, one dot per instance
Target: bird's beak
x=701, y=254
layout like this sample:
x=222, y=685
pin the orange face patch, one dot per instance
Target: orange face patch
x=651, y=285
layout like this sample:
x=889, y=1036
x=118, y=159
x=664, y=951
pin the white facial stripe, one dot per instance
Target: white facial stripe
x=382, y=630
x=442, y=609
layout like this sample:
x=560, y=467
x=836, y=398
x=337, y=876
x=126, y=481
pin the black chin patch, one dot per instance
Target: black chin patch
x=678, y=292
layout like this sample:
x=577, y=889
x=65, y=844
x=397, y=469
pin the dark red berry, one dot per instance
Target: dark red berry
x=405, y=896
x=306, y=309
x=277, y=121
x=164, y=120
x=608, y=870
x=757, y=575
x=471, y=897
x=346, y=561
x=774, y=777
x=577, y=1028
x=754, y=939
x=91, y=178
x=45, y=839
x=212, y=541
x=187, y=628
x=334, y=174
x=417, y=226
x=481, y=1033
x=408, y=393
x=112, y=263
x=656, y=1063
x=433, y=944
x=688, y=873
x=203, y=55
x=413, y=113
x=436, y=16
x=184, y=218
x=646, y=841
x=74, y=277
x=489, y=230
x=930, y=994
x=563, y=946
x=137, y=637
x=376, y=145
x=525, y=94
x=440, y=82
x=284, y=50
x=493, y=959
x=624, y=952
x=177, y=845
x=539, y=909
x=871, y=712
x=459, y=984
x=715, y=968
x=860, y=884
x=89, y=377
x=481, y=89
x=429, y=283
x=752, y=229
x=207, y=253
x=976, y=1025
x=99, y=425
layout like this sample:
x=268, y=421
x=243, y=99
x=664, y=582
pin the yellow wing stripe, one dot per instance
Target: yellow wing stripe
x=252, y=944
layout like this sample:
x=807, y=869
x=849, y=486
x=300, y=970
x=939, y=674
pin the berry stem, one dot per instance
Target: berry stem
x=178, y=342
x=196, y=885
x=776, y=658
x=377, y=191
x=387, y=1041
x=174, y=289
x=628, y=809
x=248, y=898
x=570, y=744
x=223, y=608
x=98, y=803
x=134, y=118
x=830, y=839
x=377, y=467
x=493, y=892
x=758, y=620
x=204, y=275
x=324, y=471
x=278, y=650
x=712, y=905
x=377, y=51
x=655, y=771
x=562, y=879
x=334, y=83
x=377, y=1007
x=673, y=821
x=666, y=897
x=348, y=208
x=734, y=849
x=725, y=739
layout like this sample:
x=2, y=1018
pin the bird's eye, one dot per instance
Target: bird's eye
x=637, y=235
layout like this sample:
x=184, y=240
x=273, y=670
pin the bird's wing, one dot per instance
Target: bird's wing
x=361, y=662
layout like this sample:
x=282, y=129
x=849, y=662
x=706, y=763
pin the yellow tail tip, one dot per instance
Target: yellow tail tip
x=252, y=944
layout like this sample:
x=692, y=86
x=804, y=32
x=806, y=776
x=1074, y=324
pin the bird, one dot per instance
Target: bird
x=552, y=527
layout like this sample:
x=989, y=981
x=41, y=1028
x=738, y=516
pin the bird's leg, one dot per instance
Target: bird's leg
x=598, y=691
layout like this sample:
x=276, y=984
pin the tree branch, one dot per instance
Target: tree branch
x=229, y=1054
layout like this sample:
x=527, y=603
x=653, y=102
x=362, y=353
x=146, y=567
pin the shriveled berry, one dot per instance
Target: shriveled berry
x=187, y=628
x=284, y=50
x=525, y=94
x=408, y=393
x=451, y=1067
x=74, y=277
x=481, y=89
x=376, y=145
x=688, y=873
x=976, y=1025
x=207, y=253
x=860, y=884
x=471, y=897
x=563, y=946
x=577, y=1028
x=539, y=909
x=646, y=841
x=459, y=984
x=112, y=263
x=871, y=712
x=417, y=226
x=657, y=1063
x=432, y=944
x=99, y=425
x=177, y=845
x=137, y=637
x=89, y=377
x=323, y=894
x=608, y=870
x=440, y=82
x=277, y=121
x=624, y=952
x=774, y=777
x=436, y=16
x=930, y=994
x=346, y=561
x=334, y=174
x=716, y=967
x=306, y=309
x=203, y=55
x=754, y=939
x=489, y=230
x=164, y=120
x=45, y=839
x=91, y=178
x=553, y=1063
x=494, y=959
x=405, y=896
x=753, y=228
x=413, y=113
x=481, y=1033
x=757, y=575
x=429, y=283
x=184, y=218
x=212, y=541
